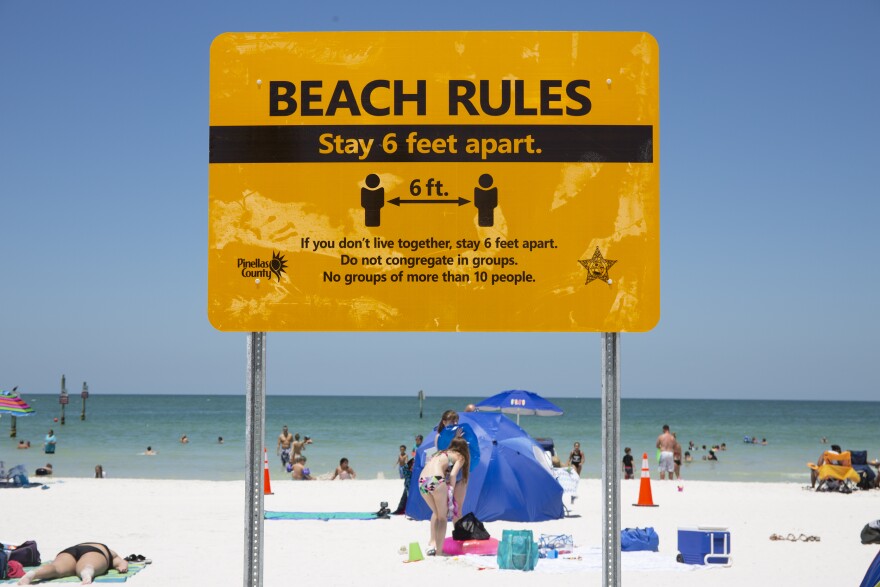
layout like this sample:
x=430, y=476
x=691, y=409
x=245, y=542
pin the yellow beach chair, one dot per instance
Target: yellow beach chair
x=834, y=465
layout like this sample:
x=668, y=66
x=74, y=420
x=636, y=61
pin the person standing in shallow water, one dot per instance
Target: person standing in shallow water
x=283, y=448
x=50, y=442
x=666, y=444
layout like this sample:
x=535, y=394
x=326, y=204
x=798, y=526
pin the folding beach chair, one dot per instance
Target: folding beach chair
x=18, y=476
x=835, y=467
x=568, y=479
x=861, y=466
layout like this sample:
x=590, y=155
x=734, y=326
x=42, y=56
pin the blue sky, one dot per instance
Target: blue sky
x=769, y=200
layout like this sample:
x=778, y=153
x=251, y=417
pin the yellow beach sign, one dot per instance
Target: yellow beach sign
x=434, y=181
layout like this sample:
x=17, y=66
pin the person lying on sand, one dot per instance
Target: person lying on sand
x=86, y=561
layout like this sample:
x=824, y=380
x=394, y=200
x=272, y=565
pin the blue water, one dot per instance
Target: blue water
x=369, y=430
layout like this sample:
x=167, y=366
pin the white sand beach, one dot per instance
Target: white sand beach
x=193, y=533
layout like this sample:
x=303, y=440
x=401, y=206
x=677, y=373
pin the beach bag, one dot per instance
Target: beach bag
x=517, y=550
x=632, y=539
x=468, y=527
x=26, y=553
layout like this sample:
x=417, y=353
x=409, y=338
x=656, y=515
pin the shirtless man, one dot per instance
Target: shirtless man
x=666, y=444
x=285, y=443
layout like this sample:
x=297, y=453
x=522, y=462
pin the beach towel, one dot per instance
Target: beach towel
x=112, y=576
x=13, y=485
x=321, y=516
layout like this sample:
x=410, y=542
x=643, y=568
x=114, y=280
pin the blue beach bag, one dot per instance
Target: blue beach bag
x=517, y=550
x=632, y=539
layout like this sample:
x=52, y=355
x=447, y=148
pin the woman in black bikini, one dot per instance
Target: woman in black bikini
x=86, y=560
x=576, y=458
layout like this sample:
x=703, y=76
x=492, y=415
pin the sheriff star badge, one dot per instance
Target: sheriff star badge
x=597, y=267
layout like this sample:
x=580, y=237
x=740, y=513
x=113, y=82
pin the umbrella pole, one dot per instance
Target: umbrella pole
x=611, y=459
x=13, y=432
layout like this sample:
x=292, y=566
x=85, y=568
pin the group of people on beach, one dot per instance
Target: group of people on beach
x=868, y=479
x=671, y=456
x=290, y=449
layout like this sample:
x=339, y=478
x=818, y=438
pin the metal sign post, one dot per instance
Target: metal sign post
x=610, y=459
x=254, y=424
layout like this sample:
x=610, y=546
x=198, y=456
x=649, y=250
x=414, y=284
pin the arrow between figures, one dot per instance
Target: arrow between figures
x=459, y=201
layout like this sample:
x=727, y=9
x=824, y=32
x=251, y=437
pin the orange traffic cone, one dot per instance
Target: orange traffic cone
x=267, y=486
x=645, y=498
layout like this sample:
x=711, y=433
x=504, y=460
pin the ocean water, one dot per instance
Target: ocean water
x=369, y=430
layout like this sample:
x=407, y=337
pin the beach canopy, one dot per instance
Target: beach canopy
x=519, y=402
x=12, y=404
x=511, y=481
x=872, y=576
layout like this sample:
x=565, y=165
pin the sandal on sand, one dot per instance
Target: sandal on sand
x=793, y=538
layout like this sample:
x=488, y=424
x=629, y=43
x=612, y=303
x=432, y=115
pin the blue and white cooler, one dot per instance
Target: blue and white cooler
x=704, y=545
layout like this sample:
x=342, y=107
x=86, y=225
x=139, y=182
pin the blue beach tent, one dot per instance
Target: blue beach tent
x=872, y=576
x=510, y=481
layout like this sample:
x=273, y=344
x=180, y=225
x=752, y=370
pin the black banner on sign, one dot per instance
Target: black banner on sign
x=432, y=143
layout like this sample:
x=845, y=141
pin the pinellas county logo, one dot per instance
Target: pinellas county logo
x=259, y=268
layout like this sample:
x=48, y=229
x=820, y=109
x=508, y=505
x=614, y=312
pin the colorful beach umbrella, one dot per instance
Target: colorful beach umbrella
x=12, y=404
x=519, y=402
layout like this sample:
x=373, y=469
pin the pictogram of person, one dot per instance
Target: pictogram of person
x=486, y=200
x=372, y=200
